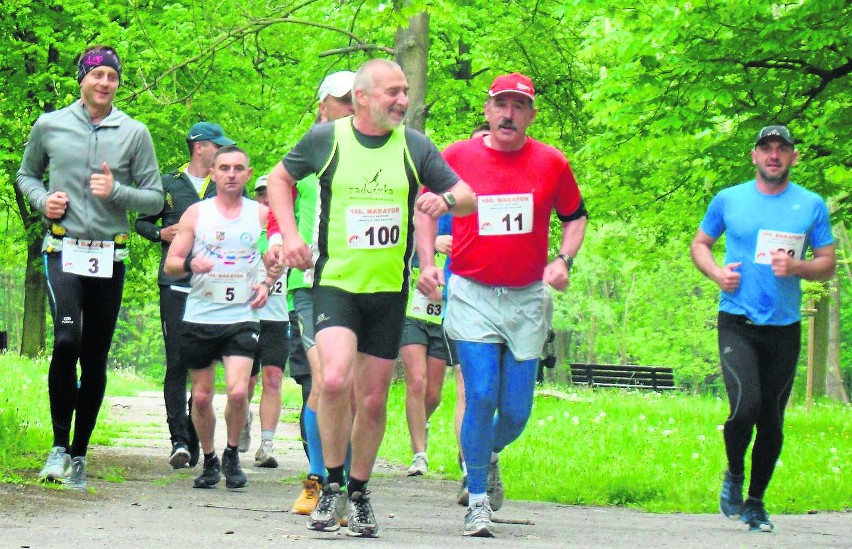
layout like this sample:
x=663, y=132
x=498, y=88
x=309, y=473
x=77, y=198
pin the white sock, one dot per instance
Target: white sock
x=494, y=457
x=474, y=499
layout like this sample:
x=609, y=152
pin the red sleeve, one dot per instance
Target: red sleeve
x=271, y=224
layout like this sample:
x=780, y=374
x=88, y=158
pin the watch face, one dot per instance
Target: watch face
x=451, y=200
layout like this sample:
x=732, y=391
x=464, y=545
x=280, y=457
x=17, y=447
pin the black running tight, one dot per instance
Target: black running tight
x=759, y=365
x=85, y=311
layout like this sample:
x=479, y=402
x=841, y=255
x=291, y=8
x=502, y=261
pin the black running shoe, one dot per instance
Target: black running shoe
x=210, y=475
x=234, y=476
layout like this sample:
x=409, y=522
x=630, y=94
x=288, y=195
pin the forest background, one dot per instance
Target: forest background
x=655, y=103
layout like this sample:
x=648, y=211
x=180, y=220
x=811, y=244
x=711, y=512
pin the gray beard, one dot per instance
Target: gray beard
x=780, y=179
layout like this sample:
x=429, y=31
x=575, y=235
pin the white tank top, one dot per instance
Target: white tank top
x=222, y=296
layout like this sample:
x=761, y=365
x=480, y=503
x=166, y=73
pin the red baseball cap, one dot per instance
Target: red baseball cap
x=514, y=83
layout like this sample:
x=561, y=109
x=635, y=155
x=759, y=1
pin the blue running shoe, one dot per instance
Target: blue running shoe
x=731, y=498
x=755, y=516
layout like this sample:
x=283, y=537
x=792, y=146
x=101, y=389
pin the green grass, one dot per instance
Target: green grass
x=658, y=452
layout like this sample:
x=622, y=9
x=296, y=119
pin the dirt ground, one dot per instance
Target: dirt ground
x=155, y=506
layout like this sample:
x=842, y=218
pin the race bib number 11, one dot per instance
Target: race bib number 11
x=502, y=214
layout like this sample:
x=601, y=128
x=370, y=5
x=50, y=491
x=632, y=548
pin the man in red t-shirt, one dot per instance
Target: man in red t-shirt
x=500, y=306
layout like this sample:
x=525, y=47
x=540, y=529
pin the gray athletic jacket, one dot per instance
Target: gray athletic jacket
x=70, y=149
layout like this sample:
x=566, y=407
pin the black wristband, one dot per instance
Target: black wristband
x=187, y=264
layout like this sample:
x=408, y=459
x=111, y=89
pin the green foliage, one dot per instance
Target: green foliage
x=656, y=452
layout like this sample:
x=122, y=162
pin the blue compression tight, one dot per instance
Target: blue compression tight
x=494, y=381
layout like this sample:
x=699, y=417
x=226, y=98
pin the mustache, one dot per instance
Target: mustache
x=507, y=124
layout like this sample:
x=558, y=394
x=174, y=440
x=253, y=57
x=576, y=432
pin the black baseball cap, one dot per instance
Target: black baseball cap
x=779, y=132
x=208, y=131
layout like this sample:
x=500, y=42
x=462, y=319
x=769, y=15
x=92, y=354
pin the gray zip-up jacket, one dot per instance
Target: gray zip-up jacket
x=70, y=149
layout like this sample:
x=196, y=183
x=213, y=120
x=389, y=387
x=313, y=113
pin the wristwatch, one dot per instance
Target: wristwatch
x=269, y=286
x=449, y=199
x=569, y=261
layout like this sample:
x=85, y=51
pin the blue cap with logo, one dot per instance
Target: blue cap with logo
x=208, y=131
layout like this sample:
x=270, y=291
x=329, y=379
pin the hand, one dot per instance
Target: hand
x=201, y=265
x=261, y=294
x=432, y=205
x=430, y=280
x=444, y=244
x=782, y=264
x=727, y=278
x=101, y=183
x=556, y=275
x=297, y=254
x=55, y=205
x=167, y=234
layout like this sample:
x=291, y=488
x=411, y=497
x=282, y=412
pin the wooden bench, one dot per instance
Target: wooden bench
x=629, y=376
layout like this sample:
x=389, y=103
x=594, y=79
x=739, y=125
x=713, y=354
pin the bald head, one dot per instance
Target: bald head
x=381, y=96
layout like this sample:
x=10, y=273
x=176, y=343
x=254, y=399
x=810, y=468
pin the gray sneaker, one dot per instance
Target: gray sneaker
x=77, y=478
x=495, y=486
x=325, y=517
x=57, y=467
x=362, y=521
x=245, y=435
x=418, y=467
x=477, y=522
x=263, y=457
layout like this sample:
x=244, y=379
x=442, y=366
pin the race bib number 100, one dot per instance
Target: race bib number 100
x=373, y=227
x=502, y=214
x=87, y=257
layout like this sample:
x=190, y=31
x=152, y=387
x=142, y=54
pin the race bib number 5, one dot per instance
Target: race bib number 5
x=87, y=258
x=502, y=214
x=373, y=227
x=229, y=288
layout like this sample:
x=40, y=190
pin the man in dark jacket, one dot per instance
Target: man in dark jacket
x=183, y=187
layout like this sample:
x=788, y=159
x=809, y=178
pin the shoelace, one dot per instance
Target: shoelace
x=362, y=509
x=326, y=503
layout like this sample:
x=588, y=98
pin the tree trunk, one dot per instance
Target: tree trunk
x=834, y=388
x=412, y=47
x=820, y=346
x=32, y=335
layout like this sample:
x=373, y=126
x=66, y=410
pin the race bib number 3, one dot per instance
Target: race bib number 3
x=228, y=288
x=373, y=227
x=792, y=244
x=502, y=214
x=87, y=257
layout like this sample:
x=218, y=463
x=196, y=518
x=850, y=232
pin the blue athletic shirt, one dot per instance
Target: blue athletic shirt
x=755, y=224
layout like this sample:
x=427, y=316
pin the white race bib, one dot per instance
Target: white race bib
x=87, y=257
x=502, y=214
x=226, y=288
x=279, y=287
x=792, y=244
x=420, y=306
x=372, y=227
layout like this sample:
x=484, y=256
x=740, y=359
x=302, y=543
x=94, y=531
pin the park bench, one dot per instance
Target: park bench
x=629, y=376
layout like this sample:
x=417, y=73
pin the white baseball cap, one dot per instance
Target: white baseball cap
x=337, y=84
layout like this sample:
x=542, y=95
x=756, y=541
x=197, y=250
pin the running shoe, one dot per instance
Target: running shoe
x=210, y=475
x=325, y=518
x=418, y=467
x=494, y=488
x=477, y=522
x=308, y=499
x=362, y=521
x=463, y=495
x=264, y=457
x=77, y=479
x=731, y=496
x=245, y=435
x=756, y=517
x=57, y=467
x=234, y=476
x=180, y=455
